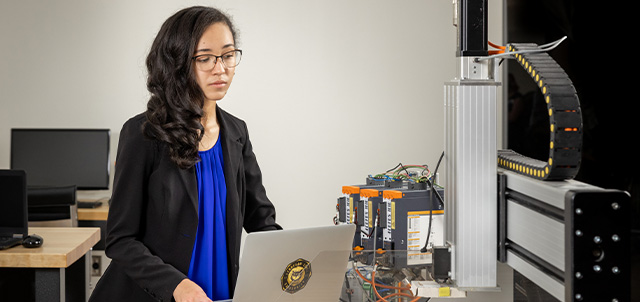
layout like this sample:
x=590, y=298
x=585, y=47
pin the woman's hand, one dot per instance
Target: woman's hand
x=188, y=291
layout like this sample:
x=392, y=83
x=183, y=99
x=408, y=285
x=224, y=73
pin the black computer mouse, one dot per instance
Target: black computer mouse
x=32, y=241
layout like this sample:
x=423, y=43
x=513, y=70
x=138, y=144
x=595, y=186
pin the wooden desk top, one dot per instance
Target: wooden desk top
x=61, y=248
x=99, y=213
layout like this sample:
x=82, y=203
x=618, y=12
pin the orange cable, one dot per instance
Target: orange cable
x=497, y=46
x=494, y=52
x=373, y=285
x=380, y=285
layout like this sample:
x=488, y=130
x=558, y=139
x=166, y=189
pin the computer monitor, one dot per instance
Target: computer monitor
x=62, y=157
x=13, y=203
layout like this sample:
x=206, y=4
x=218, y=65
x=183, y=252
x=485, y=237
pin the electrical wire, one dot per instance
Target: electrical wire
x=362, y=279
x=433, y=190
x=346, y=283
x=375, y=233
x=493, y=52
x=542, y=48
x=402, y=172
x=377, y=284
x=373, y=286
x=497, y=46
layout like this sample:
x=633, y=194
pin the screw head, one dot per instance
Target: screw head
x=615, y=238
x=597, y=239
x=578, y=233
x=615, y=270
x=597, y=268
x=615, y=205
x=578, y=211
x=578, y=275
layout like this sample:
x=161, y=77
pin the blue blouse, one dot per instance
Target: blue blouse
x=208, y=266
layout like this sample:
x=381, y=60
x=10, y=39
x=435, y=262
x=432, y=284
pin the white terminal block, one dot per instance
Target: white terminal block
x=470, y=174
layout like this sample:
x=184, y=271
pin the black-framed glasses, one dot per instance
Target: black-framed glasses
x=230, y=59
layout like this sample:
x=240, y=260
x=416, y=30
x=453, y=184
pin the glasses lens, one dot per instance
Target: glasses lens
x=205, y=62
x=229, y=59
x=232, y=59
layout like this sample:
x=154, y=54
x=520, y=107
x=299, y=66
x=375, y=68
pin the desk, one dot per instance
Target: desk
x=60, y=268
x=98, y=214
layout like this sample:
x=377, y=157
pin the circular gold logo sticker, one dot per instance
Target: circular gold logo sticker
x=296, y=276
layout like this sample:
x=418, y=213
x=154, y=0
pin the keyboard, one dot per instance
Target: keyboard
x=7, y=242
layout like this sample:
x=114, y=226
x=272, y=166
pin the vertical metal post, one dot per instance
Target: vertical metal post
x=471, y=152
x=470, y=181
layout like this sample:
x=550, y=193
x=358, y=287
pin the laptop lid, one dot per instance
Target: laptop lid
x=13, y=203
x=294, y=265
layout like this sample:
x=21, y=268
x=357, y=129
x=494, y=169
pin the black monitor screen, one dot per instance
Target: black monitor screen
x=61, y=157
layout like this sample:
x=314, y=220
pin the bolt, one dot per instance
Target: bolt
x=615, y=238
x=578, y=275
x=578, y=297
x=614, y=300
x=615, y=205
x=597, y=268
x=597, y=239
x=578, y=211
x=578, y=233
x=615, y=270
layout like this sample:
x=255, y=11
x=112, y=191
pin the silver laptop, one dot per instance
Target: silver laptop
x=294, y=265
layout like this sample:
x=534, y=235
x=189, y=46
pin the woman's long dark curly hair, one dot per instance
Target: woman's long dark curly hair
x=174, y=109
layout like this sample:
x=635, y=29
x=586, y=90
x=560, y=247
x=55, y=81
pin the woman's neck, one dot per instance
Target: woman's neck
x=209, y=119
x=211, y=128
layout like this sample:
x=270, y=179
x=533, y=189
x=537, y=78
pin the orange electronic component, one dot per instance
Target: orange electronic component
x=369, y=193
x=350, y=190
x=392, y=194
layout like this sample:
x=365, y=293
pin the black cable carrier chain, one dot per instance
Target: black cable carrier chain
x=565, y=119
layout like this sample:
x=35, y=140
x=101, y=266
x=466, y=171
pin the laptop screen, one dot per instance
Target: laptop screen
x=13, y=203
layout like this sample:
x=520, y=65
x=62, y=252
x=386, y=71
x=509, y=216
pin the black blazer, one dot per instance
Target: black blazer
x=153, y=215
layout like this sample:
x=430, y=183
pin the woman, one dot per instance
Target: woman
x=187, y=180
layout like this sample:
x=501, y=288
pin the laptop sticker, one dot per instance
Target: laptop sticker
x=295, y=276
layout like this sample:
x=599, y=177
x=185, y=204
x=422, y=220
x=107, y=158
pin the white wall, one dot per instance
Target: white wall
x=332, y=90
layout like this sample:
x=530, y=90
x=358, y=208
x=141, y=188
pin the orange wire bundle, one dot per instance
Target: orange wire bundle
x=383, y=299
x=493, y=52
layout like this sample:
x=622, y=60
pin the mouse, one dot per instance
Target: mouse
x=32, y=241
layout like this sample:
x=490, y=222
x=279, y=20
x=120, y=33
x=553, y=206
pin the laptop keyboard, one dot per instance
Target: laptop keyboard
x=7, y=242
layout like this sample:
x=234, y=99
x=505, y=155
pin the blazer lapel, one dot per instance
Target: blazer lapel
x=232, y=153
x=230, y=136
x=190, y=181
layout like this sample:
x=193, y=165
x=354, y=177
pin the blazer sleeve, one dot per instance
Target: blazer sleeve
x=125, y=224
x=260, y=214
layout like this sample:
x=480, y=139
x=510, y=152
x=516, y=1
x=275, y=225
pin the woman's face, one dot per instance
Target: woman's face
x=216, y=40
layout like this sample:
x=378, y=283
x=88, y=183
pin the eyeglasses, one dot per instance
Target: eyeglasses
x=230, y=59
